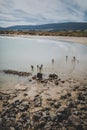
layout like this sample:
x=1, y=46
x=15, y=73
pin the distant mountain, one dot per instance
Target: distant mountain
x=49, y=27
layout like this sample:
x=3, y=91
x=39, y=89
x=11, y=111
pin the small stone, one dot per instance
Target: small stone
x=12, y=128
x=1, y=97
x=56, y=82
x=62, y=81
x=25, y=94
x=57, y=105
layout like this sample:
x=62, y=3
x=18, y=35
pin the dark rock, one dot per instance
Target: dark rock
x=25, y=74
x=74, y=120
x=53, y=76
x=36, y=117
x=56, y=82
x=71, y=104
x=23, y=107
x=63, y=114
x=1, y=97
x=68, y=94
x=5, y=104
x=47, y=112
x=63, y=97
x=25, y=94
x=81, y=97
x=40, y=76
x=62, y=81
x=41, y=125
x=57, y=104
x=51, y=103
x=79, y=127
x=37, y=101
x=17, y=102
x=30, y=80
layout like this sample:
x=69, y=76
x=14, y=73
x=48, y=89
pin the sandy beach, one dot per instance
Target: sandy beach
x=81, y=40
x=45, y=102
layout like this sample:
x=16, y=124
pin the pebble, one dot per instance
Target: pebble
x=62, y=113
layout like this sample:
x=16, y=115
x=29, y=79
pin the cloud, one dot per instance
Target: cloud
x=17, y=12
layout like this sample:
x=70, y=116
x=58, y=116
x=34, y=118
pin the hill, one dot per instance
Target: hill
x=49, y=27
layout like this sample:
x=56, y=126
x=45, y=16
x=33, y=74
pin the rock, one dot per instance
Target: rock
x=79, y=127
x=20, y=87
x=53, y=76
x=0, y=120
x=17, y=102
x=36, y=117
x=1, y=97
x=57, y=104
x=5, y=104
x=73, y=119
x=71, y=104
x=62, y=81
x=40, y=76
x=12, y=128
x=60, y=117
x=63, y=97
x=56, y=82
x=25, y=74
x=81, y=97
x=23, y=107
x=25, y=94
x=18, y=126
x=46, y=109
x=53, y=118
x=30, y=80
x=69, y=94
x=37, y=101
x=47, y=112
x=51, y=103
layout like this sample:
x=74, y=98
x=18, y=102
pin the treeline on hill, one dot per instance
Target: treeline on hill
x=77, y=33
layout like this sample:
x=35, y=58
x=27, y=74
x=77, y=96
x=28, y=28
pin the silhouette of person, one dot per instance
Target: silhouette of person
x=66, y=59
x=52, y=61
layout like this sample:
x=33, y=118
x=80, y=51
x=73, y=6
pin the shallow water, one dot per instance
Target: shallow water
x=19, y=53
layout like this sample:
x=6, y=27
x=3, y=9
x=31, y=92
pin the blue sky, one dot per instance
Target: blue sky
x=33, y=12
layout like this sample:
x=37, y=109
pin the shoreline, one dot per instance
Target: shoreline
x=79, y=40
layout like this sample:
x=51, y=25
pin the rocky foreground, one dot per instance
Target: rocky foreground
x=45, y=104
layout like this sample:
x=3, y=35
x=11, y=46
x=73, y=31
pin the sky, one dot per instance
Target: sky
x=35, y=12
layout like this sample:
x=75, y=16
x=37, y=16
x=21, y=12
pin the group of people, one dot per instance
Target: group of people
x=40, y=68
x=74, y=60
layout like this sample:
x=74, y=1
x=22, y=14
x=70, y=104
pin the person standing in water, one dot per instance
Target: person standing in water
x=32, y=67
x=66, y=59
x=74, y=60
x=52, y=61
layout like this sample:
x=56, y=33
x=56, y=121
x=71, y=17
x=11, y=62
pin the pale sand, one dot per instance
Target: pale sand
x=81, y=40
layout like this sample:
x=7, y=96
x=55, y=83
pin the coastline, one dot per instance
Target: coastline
x=73, y=39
